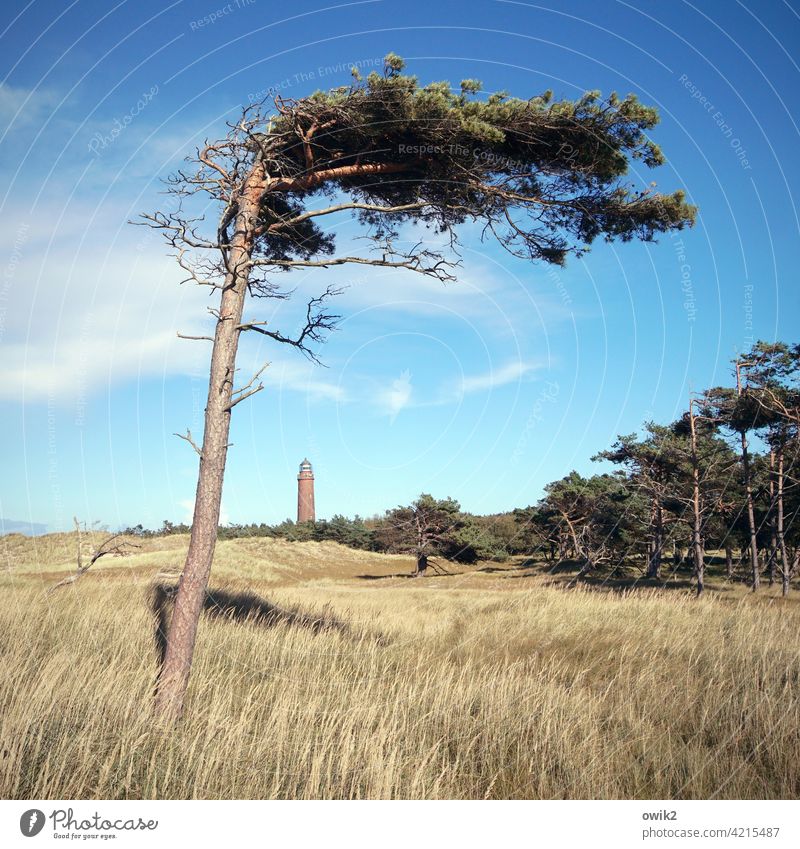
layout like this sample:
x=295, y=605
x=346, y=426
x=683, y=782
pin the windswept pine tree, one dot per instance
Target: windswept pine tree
x=425, y=528
x=543, y=177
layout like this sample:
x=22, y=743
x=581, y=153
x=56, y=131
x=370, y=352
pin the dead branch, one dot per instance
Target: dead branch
x=196, y=338
x=238, y=395
x=188, y=438
x=317, y=323
x=108, y=546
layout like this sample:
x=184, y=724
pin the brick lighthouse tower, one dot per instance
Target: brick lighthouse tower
x=305, y=493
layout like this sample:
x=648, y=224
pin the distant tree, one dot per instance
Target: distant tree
x=596, y=514
x=426, y=527
x=294, y=531
x=497, y=536
x=351, y=532
x=543, y=532
x=543, y=177
x=653, y=465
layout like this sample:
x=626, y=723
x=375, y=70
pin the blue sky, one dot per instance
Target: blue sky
x=483, y=390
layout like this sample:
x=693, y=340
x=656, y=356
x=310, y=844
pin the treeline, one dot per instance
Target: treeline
x=467, y=538
x=692, y=485
x=678, y=490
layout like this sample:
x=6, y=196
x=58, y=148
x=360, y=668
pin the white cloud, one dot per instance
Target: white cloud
x=400, y=395
x=75, y=320
x=73, y=366
x=90, y=301
x=79, y=315
x=396, y=396
x=492, y=379
x=305, y=377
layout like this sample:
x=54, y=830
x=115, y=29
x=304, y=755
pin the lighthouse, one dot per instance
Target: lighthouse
x=305, y=493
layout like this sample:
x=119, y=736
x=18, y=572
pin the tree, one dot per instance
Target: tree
x=426, y=527
x=741, y=412
x=653, y=464
x=596, y=515
x=710, y=462
x=539, y=529
x=542, y=176
x=775, y=386
x=351, y=532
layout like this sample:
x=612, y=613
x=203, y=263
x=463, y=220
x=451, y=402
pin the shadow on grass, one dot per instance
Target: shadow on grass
x=626, y=583
x=385, y=577
x=243, y=607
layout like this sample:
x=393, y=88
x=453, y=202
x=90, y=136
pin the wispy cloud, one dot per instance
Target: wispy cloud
x=496, y=377
x=399, y=394
x=395, y=397
x=303, y=377
x=74, y=321
x=21, y=107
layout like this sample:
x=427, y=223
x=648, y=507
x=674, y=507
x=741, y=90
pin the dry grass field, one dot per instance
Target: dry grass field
x=501, y=681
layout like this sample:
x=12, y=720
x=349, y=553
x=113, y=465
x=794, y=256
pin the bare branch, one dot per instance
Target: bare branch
x=250, y=325
x=188, y=438
x=316, y=324
x=247, y=394
x=317, y=178
x=238, y=395
x=196, y=338
x=106, y=547
x=203, y=156
x=439, y=267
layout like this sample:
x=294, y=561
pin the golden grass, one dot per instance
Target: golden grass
x=470, y=686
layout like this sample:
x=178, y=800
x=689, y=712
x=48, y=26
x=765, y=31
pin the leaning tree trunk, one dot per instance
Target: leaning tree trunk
x=174, y=676
x=751, y=518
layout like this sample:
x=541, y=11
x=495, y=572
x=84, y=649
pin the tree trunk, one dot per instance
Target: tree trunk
x=773, y=537
x=751, y=519
x=174, y=676
x=697, y=543
x=728, y=562
x=654, y=566
x=422, y=565
x=785, y=568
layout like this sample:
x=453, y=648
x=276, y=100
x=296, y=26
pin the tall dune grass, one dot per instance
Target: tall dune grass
x=434, y=690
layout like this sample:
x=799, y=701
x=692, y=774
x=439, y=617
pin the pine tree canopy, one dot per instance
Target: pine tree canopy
x=545, y=177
